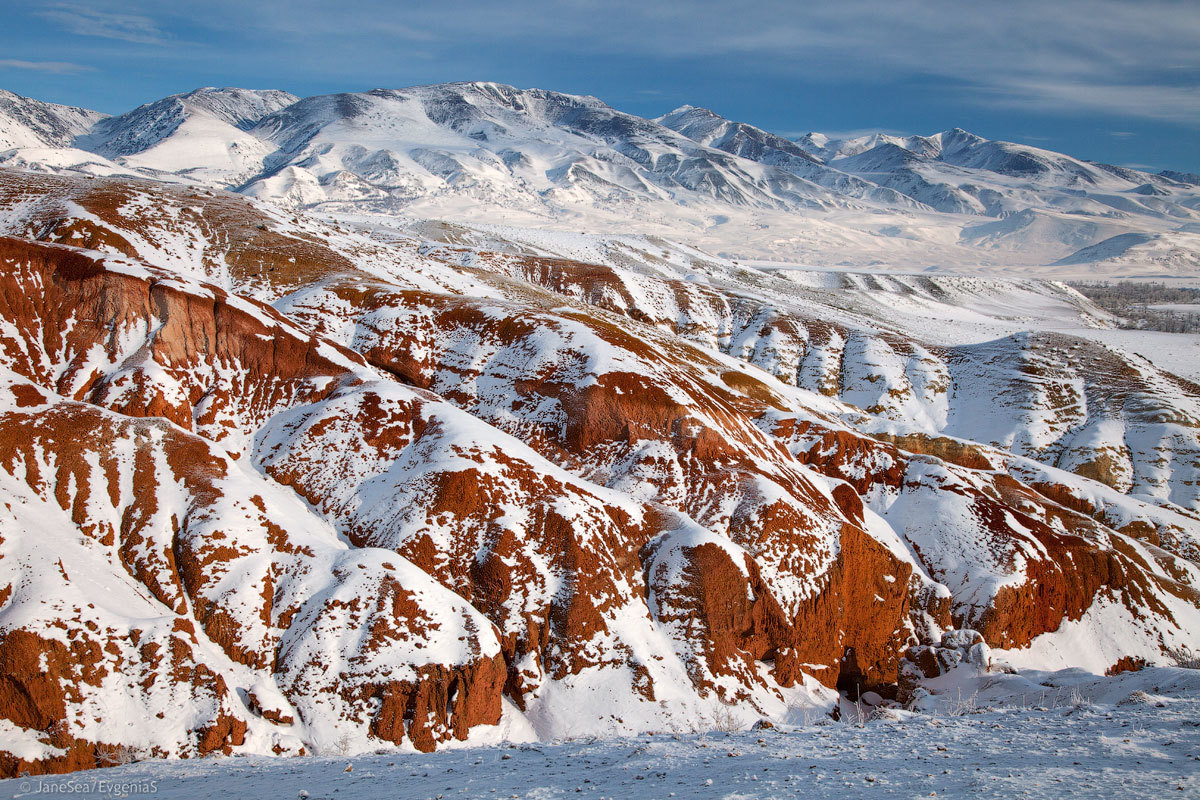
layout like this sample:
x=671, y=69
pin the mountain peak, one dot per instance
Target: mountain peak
x=149, y=124
x=541, y=151
x=238, y=107
x=687, y=109
x=957, y=138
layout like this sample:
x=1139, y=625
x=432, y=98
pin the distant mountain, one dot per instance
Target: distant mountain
x=1172, y=252
x=487, y=153
x=150, y=125
x=959, y=172
x=758, y=145
x=199, y=134
x=530, y=149
x=32, y=123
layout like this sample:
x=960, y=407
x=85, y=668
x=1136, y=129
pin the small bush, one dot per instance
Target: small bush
x=1078, y=702
x=960, y=706
x=724, y=720
x=1184, y=657
x=118, y=756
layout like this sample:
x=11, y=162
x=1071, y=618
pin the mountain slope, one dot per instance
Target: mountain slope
x=998, y=178
x=754, y=144
x=31, y=123
x=313, y=490
x=199, y=134
x=499, y=143
x=1168, y=252
x=958, y=172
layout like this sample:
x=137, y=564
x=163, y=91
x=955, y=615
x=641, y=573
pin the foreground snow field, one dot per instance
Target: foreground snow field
x=1035, y=735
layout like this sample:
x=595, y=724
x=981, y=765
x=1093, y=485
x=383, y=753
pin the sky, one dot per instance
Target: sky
x=1106, y=80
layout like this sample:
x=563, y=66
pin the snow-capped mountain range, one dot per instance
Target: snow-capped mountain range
x=489, y=153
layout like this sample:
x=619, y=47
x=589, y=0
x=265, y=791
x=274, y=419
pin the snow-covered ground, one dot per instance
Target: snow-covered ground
x=1035, y=735
x=1178, y=308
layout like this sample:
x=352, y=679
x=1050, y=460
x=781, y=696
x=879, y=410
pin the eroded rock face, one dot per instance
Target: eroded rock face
x=251, y=595
x=547, y=558
x=710, y=594
x=217, y=237
x=652, y=428
x=1065, y=402
x=397, y=504
x=324, y=636
x=1017, y=559
x=137, y=341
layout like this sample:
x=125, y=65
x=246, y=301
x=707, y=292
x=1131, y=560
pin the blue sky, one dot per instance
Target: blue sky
x=1110, y=81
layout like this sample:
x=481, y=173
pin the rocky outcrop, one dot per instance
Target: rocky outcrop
x=711, y=596
x=216, y=237
x=1063, y=401
x=956, y=648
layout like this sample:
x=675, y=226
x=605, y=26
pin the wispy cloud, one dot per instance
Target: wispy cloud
x=1180, y=104
x=1074, y=56
x=86, y=21
x=54, y=67
x=1106, y=56
x=1069, y=57
x=399, y=30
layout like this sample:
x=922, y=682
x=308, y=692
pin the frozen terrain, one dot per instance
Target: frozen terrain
x=1045, y=735
x=364, y=424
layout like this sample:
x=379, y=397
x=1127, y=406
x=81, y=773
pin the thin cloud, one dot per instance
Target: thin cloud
x=1067, y=57
x=399, y=30
x=83, y=21
x=1080, y=55
x=53, y=67
x=1083, y=55
x=1179, y=104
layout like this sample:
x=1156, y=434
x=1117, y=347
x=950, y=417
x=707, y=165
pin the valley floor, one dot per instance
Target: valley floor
x=1039, y=735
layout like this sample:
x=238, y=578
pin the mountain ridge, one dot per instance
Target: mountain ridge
x=550, y=158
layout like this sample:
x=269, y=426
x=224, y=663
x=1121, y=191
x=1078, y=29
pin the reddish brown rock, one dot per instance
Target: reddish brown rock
x=858, y=624
x=441, y=703
x=1126, y=664
x=718, y=609
x=227, y=234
